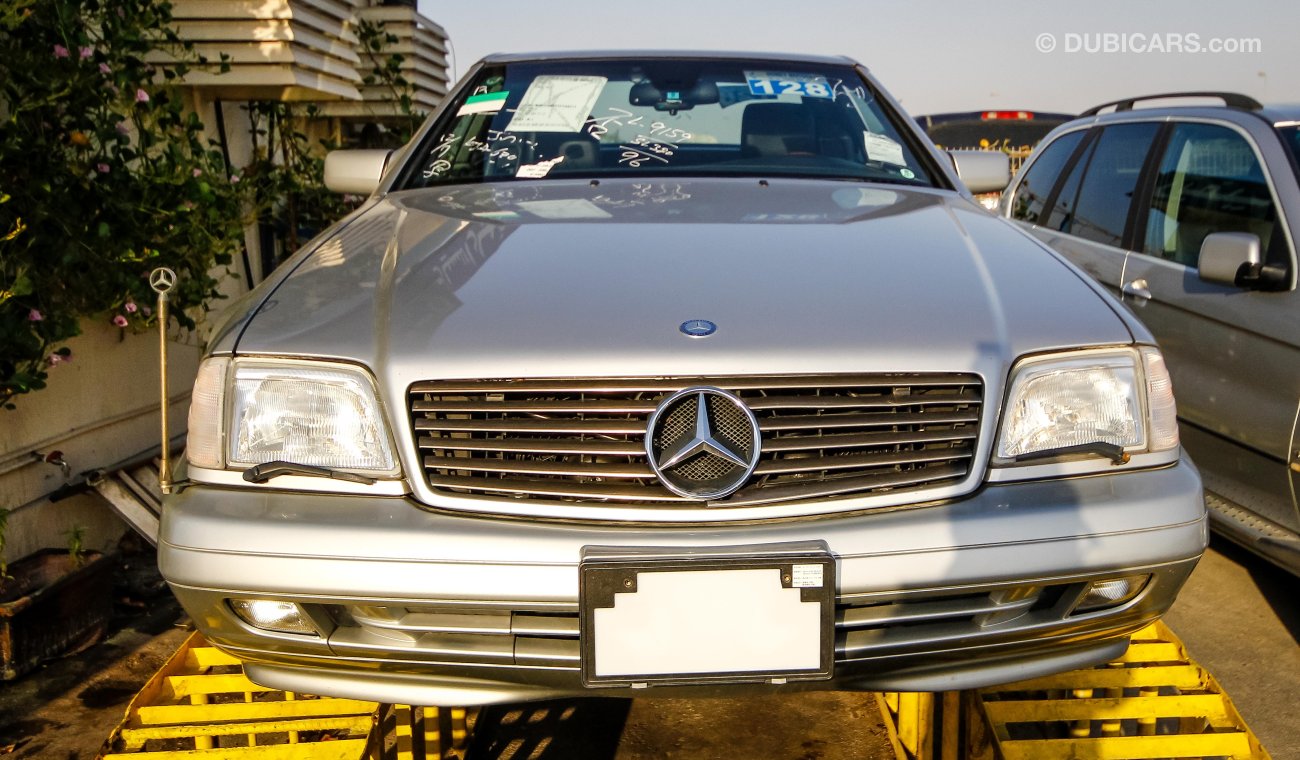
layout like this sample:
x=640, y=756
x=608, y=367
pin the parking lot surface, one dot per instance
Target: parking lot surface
x=1240, y=619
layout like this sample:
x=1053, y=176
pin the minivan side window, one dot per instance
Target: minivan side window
x=1027, y=203
x=1109, y=182
x=1209, y=181
x=1062, y=214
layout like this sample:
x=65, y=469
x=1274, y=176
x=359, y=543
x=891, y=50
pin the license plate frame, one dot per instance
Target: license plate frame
x=605, y=573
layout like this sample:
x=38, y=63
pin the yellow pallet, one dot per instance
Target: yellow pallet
x=200, y=704
x=1153, y=702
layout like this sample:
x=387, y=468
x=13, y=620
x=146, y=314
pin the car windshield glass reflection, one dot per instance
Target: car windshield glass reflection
x=1291, y=139
x=665, y=118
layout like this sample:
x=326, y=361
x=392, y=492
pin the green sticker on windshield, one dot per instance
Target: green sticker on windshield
x=490, y=102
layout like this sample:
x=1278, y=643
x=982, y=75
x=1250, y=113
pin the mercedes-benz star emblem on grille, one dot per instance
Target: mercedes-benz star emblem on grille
x=698, y=328
x=703, y=443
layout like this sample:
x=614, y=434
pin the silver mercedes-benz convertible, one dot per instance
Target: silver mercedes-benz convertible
x=675, y=374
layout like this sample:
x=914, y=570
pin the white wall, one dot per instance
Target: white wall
x=99, y=409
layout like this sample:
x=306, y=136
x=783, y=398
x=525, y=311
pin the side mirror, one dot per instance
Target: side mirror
x=355, y=171
x=1226, y=257
x=982, y=171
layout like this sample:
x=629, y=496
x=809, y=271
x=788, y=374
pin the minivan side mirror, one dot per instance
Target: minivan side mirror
x=982, y=171
x=1227, y=256
x=355, y=171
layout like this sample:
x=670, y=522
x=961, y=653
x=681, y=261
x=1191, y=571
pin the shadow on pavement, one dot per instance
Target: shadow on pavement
x=1276, y=585
x=562, y=728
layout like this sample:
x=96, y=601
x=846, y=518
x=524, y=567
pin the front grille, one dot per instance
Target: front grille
x=583, y=440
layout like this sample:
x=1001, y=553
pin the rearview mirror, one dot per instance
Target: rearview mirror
x=1227, y=256
x=982, y=171
x=355, y=171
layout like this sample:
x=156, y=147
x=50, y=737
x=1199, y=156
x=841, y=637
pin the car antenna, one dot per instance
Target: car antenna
x=162, y=280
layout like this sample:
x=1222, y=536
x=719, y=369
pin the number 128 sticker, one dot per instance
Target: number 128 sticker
x=788, y=83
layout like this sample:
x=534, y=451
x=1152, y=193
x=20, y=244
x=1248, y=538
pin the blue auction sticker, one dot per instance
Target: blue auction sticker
x=788, y=83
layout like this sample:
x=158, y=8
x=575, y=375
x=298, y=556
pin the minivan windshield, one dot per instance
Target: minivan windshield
x=1291, y=139
x=665, y=117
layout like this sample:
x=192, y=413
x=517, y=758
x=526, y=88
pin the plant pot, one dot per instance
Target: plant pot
x=49, y=607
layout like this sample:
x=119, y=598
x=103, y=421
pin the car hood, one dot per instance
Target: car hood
x=577, y=278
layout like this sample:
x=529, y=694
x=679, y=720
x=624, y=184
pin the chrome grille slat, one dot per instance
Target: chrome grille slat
x=817, y=488
x=634, y=384
x=849, y=440
x=558, y=488
x=849, y=461
x=537, y=446
x=581, y=426
x=587, y=406
x=870, y=419
x=578, y=469
x=584, y=440
x=823, y=402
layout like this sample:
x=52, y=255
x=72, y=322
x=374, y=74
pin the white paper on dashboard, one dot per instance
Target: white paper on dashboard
x=556, y=103
x=881, y=148
x=538, y=170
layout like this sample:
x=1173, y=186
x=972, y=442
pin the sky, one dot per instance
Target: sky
x=934, y=55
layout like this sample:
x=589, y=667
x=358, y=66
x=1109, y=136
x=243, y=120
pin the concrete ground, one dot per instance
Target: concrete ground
x=1240, y=619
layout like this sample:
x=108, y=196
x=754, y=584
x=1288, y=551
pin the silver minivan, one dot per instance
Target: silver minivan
x=1190, y=215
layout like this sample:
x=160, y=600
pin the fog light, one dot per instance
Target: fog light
x=281, y=617
x=1111, y=593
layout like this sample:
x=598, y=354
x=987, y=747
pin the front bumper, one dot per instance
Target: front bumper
x=424, y=607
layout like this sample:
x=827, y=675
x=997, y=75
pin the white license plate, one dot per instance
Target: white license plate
x=693, y=621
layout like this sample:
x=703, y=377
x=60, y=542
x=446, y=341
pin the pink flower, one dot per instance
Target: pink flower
x=122, y=128
x=104, y=69
x=119, y=320
x=146, y=310
x=141, y=96
x=85, y=52
x=56, y=359
x=35, y=316
x=130, y=307
x=103, y=168
x=60, y=51
x=234, y=179
x=197, y=172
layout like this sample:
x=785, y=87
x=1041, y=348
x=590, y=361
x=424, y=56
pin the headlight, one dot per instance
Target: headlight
x=1119, y=397
x=310, y=413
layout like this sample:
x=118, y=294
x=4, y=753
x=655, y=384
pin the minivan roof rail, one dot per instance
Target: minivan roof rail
x=1230, y=99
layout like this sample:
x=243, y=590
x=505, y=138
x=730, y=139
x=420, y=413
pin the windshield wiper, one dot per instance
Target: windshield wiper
x=1116, y=454
x=263, y=472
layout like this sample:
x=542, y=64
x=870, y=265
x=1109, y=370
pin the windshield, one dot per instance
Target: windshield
x=643, y=118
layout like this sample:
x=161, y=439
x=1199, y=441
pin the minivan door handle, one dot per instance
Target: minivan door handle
x=1137, y=288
